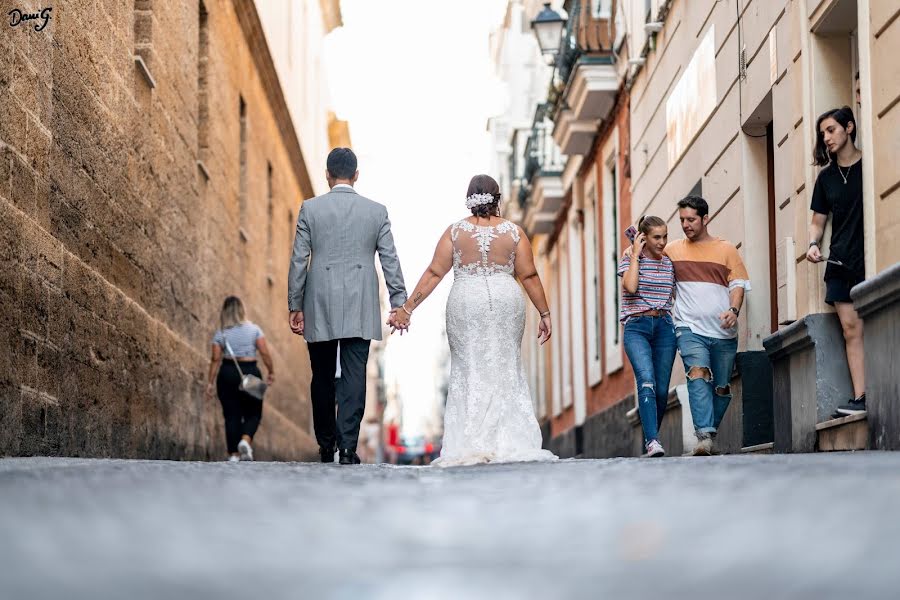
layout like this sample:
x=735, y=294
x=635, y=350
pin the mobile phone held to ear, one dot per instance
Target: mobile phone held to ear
x=631, y=233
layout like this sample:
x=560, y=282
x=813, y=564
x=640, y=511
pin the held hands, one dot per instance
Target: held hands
x=296, y=322
x=398, y=320
x=545, y=330
x=270, y=378
x=210, y=391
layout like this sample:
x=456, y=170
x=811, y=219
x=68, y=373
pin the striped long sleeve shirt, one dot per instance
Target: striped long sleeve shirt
x=656, y=281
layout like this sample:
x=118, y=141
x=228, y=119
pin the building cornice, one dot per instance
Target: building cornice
x=262, y=58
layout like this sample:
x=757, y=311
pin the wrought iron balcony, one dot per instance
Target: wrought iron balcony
x=540, y=184
x=584, y=91
x=585, y=34
x=542, y=157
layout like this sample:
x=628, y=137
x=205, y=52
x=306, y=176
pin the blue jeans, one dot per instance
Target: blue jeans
x=650, y=346
x=709, y=392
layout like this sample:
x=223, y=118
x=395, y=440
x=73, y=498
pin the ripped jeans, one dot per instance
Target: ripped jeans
x=650, y=346
x=709, y=385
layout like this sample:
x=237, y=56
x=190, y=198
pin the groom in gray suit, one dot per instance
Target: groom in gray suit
x=333, y=299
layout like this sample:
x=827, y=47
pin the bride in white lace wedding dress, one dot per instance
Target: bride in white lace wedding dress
x=489, y=415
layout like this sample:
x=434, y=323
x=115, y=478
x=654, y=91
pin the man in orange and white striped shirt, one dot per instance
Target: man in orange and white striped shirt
x=710, y=281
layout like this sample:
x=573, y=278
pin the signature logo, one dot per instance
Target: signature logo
x=17, y=17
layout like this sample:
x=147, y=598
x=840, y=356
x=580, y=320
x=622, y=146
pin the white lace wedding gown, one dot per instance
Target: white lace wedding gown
x=489, y=415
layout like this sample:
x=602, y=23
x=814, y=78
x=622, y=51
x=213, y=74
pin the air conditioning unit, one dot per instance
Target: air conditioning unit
x=653, y=27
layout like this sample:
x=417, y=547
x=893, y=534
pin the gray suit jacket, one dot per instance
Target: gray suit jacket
x=332, y=277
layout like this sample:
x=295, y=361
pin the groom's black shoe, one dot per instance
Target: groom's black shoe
x=348, y=457
x=326, y=455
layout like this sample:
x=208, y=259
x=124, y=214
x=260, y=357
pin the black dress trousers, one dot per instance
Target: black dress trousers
x=348, y=392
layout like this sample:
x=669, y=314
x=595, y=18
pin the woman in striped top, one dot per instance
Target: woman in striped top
x=649, y=337
x=242, y=411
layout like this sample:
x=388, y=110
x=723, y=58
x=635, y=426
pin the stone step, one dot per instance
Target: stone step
x=767, y=448
x=845, y=433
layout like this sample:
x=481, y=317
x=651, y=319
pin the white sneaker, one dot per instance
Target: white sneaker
x=245, y=450
x=233, y=458
x=655, y=449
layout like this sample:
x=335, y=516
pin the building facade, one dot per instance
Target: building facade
x=149, y=167
x=295, y=34
x=726, y=105
x=652, y=101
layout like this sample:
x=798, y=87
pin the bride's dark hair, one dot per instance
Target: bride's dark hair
x=485, y=184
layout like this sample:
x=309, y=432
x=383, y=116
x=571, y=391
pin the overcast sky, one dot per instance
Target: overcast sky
x=415, y=80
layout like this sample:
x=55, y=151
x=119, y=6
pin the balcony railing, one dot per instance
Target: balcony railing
x=542, y=156
x=584, y=34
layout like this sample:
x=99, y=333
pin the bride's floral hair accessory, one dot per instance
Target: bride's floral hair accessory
x=479, y=199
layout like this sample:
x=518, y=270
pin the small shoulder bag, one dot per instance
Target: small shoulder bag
x=250, y=384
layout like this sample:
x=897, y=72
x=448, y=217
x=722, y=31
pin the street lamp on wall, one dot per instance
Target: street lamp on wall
x=548, y=27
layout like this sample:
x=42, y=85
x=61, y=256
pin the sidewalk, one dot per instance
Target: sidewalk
x=780, y=526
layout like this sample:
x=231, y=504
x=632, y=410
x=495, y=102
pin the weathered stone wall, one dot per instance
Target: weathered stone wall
x=607, y=433
x=117, y=250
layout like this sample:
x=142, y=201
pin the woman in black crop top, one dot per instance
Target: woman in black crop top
x=242, y=411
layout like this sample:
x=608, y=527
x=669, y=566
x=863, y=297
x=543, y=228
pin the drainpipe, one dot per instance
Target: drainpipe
x=863, y=41
x=809, y=126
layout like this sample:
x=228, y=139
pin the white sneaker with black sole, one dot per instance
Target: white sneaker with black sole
x=655, y=449
x=245, y=450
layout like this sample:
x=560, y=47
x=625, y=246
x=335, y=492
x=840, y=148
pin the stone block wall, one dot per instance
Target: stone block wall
x=877, y=301
x=608, y=433
x=118, y=249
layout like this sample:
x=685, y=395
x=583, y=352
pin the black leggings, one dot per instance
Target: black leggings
x=242, y=411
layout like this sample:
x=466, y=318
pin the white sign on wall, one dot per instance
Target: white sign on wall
x=773, y=57
x=693, y=98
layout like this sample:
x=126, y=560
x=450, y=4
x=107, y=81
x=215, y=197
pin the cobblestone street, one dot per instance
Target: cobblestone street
x=802, y=526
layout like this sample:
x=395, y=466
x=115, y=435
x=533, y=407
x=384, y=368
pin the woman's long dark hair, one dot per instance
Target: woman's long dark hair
x=485, y=184
x=844, y=116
